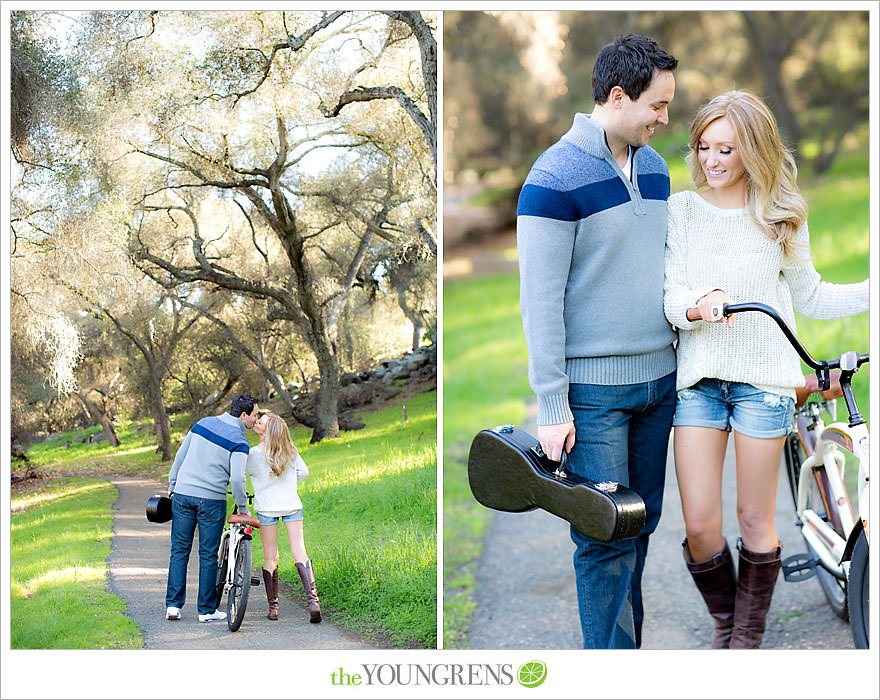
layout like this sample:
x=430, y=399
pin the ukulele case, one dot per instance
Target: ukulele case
x=508, y=471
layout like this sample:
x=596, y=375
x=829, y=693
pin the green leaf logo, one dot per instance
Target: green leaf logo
x=531, y=674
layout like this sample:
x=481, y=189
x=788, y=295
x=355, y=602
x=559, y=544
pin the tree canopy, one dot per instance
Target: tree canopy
x=231, y=176
x=514, y=79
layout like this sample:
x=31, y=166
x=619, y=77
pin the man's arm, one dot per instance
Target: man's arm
x=546, y=228
x=178, y=460
x=545, y=242
x=237, y=463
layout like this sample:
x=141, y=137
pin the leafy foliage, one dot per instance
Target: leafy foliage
x=514, y=79
x=180, y=118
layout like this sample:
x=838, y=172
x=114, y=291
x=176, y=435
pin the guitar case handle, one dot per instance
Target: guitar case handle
x=538, y=450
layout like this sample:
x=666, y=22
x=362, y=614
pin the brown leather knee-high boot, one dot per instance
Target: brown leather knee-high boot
x=716, y=581
x=271, y=583
x=307, y=575
x=754, y=590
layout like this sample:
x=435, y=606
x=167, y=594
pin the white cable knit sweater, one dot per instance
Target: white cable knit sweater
x=710, y=248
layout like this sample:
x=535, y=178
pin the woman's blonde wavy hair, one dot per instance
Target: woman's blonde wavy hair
x=279, y=449
x=772, y=197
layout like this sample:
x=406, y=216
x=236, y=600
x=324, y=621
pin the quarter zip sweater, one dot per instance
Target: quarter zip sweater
x=212, y=455
x=591, y=250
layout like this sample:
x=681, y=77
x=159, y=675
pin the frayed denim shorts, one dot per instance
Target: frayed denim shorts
x=273, y=519
x=715, y=403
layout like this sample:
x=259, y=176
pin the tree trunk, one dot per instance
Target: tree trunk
x=160, y=417
x=327, y=400
x=414, y=317
x=772, y=43
x=97, y=415
x=418, y=331
x=401, y=277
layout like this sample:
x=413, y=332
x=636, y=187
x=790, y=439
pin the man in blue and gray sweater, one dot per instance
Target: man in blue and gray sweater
x=591, y=230
x=213, y=454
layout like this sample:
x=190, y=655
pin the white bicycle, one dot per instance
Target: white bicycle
x=817, y=457
x=234, y=565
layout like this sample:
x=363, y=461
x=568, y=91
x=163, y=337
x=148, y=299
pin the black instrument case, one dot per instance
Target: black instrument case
x=508, y=471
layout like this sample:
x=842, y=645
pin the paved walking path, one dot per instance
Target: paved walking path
x=138, y=572
x=526, y=595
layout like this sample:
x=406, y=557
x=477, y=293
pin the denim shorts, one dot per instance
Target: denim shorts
x=273, y=519
x=715, y=403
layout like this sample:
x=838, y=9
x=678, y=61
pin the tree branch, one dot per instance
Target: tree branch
x=391, y=92
x=208, y=272
x=294, y=43
x=246, y=351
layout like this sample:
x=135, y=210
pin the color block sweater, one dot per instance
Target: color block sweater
x=212, y=455
x=590, y=244
x=710, y=248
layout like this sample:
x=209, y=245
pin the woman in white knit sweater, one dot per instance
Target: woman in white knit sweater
x=741, y=237
x=275, y=467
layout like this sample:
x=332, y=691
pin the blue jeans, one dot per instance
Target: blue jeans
x=623, y=436
x=210, y=515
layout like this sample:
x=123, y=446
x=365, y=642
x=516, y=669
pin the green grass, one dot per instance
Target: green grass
x=59, y=544
x=370, y=515
x=136, y=454
x=485, y=380
x=484, y=384
x=370, y=504
x=839, y=244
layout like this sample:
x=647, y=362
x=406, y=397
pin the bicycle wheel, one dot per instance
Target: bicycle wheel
x=858, y=593
x=241, y=586
x=222, y=566
x=833, y=587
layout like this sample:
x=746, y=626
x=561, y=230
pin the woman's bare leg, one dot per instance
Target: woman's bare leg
x=699, y=461
x=297, y=544
x=757, y=475
x=269, y=538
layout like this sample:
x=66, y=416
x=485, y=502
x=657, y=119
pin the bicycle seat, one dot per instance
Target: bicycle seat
x=244, y=520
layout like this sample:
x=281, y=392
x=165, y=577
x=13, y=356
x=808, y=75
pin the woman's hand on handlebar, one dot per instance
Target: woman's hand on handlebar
x=710, y=308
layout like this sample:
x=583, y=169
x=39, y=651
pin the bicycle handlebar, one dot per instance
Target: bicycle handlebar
x=250, y=496
x=848, y=363
x=792, y=338
x=850, y=360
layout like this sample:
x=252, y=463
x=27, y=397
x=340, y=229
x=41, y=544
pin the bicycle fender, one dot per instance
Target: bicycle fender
x=839, y=436
x=850, y=439
x=857, y=530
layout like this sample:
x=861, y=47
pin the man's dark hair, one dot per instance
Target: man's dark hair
x=243, y=403
x=629, y=61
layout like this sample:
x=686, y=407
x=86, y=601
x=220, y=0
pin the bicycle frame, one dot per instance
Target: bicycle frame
x=829, y=543
x=852, y=437
x=833, y=533
x=232, y=537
